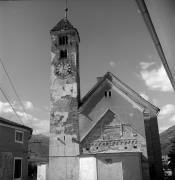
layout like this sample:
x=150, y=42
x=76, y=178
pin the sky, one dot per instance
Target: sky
x=162, y=13
x=113, y=37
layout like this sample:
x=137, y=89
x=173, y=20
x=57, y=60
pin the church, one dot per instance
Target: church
x=110, y=133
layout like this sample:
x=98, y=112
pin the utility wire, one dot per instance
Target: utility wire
x=11, y=105
x=14, y=89
x=12, y=85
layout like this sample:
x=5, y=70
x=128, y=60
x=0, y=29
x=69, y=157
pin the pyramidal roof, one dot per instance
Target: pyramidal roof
x=63, y=24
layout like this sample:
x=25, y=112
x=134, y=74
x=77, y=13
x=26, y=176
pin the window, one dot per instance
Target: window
x=19, y=136
x=17, y=169
x=63, y=40
x=107, y=93
x=63, y=54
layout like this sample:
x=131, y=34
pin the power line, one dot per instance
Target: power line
x=12, y=85
x=11, y=105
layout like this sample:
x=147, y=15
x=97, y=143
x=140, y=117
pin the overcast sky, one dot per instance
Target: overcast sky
x=113, y=37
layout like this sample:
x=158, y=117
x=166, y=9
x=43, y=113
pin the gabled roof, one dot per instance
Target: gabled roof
x=11, y=123
x=106, y=82
x=91, y=99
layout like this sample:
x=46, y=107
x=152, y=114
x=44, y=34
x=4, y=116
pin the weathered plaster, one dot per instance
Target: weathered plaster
x=64, y=84
x=110, y=135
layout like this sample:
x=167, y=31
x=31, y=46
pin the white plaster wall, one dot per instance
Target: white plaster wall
x=63, y=168
x=41, y=172
x=88, y=169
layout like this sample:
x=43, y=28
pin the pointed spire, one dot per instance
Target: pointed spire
x=66, y=10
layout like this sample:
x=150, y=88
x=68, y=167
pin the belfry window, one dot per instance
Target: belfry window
x=63, y=54
x=63, y=40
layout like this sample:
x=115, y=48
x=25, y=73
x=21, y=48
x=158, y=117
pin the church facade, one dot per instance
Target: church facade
x=111, y=133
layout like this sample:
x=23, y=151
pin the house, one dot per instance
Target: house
x=14, y=139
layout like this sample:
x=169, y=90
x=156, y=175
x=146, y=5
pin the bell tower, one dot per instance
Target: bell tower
x=64, y=100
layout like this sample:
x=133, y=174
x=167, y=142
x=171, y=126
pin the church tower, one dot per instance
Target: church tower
x=64, y=98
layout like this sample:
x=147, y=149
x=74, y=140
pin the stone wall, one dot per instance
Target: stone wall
x=64, y=98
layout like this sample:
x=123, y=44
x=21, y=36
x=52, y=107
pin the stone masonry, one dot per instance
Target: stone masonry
x=64, y=98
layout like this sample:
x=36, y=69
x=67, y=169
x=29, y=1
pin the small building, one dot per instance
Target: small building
x=14, y=139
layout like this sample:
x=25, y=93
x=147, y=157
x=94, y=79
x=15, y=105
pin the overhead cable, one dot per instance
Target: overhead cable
x=12, y=85
x=3, y=92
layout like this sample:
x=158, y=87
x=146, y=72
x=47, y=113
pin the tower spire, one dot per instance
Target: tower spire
x=66, y=10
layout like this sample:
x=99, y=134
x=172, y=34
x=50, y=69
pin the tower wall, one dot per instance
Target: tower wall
x=64, y=99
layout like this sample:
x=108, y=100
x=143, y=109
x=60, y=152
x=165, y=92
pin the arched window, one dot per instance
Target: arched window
x=63, y=54
x=63, y=40
x=109, y=93
x=60, y=41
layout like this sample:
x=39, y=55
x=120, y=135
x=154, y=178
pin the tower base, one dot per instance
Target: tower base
x=63, y=168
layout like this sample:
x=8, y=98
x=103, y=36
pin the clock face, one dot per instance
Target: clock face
x=63, y=69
